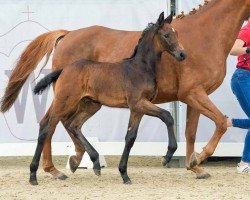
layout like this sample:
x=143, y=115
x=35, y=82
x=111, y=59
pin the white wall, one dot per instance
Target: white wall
x=19, y=28
x=110, y=125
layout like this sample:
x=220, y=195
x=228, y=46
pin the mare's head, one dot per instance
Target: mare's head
x=166, y=38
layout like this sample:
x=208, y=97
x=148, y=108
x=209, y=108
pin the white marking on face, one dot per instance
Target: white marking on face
x=173, y=30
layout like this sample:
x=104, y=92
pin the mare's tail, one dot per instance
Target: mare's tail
x=29, y=59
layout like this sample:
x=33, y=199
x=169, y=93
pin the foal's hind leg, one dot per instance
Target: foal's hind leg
x=85, y=111
x=47, y=127
x=75, y=160
x=93, y=154
x=88, y=109
x=62, y=106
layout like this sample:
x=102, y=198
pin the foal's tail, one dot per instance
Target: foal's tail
x=46, y=81
x=32, y=55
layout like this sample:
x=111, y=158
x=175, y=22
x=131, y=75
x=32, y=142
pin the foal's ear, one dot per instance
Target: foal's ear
x=169, y=19
x=160, y=21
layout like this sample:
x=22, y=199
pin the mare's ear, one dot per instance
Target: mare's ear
x=169, y=19
x=160, y=21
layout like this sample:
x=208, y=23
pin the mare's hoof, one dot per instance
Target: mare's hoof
x=193, y=160
x=128, y=182
x=61, y=176
x=97, y=172
x=73, y=164
x=33, y=182
x=203, y=175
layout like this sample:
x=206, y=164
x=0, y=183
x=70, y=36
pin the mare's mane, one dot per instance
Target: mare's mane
x=193, y=11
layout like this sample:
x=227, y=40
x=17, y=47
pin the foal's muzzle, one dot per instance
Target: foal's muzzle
x=180, y=55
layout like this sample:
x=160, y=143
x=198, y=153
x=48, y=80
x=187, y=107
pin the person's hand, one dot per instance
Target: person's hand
x=229, y=122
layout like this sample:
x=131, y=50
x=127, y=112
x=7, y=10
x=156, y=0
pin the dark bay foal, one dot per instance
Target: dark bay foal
x=87, y=85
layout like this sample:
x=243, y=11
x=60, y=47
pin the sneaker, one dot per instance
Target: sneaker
x=243, y=169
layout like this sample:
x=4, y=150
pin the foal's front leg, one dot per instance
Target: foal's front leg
x=150, y=109
x=137, y=111
x=133, y=126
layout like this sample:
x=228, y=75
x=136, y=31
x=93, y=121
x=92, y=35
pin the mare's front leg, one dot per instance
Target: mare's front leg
x=198, y=99
x=131, y=135
x=191, y=129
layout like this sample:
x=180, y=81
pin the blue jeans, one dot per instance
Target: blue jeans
x=240, y=84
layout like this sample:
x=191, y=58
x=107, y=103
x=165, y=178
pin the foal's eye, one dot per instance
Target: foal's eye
x=166, y=35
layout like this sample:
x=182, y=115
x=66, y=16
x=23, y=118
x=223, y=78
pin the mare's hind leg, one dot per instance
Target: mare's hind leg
x=85, y=111
x=47, y=163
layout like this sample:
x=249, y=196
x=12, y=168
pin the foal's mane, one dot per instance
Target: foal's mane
x=145, y=31
x=193, y=11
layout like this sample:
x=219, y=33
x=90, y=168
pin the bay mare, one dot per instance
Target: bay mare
x=131, y=83
x=207, y=34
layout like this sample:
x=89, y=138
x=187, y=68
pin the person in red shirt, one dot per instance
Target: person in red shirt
x=240, y=84
x=241, y=48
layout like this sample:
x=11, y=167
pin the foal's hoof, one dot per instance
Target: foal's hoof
x=33, y=182
x=164, y=162
x=73, y=163
x=61, y=176
x=97, y=172
x=193, y=160
x=203, y=175
x=128, y=182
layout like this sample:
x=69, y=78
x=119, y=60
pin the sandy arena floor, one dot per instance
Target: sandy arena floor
x=150, y=181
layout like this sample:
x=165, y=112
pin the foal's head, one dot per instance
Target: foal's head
x=166, y=38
